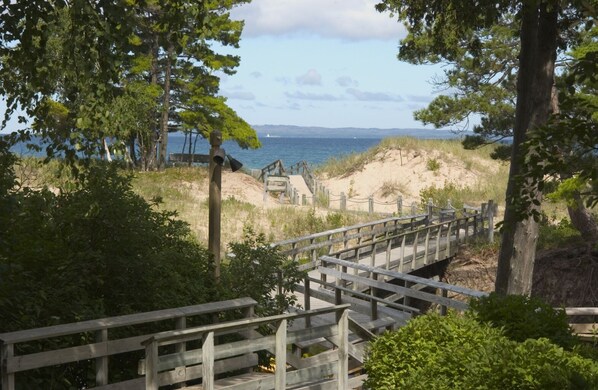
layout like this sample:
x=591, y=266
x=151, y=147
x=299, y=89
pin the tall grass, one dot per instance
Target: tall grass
x=345, y=165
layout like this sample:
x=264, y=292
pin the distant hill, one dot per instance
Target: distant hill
x=350, y=132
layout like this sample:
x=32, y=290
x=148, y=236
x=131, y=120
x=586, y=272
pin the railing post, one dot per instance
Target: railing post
x=343, y=351
x=181, y=323
x=281, y=356
x=265, y=188
x=343, y=202
x=371, y=205
x=490, y=221
x=151, y=366
x=7, y=352
x=307, y=300
x=413, y=208
x=443, y=308
x=101, y=336
x=338, y=300
x=304, y=200
x=430, y=210
x=373, y=302
x=207, y=362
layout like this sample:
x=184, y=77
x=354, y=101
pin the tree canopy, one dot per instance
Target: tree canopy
x=105, y=77
x=456, y=32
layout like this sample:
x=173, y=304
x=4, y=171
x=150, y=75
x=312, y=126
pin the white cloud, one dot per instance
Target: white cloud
x=373, y=96
x=256, y=74
x=311, y=96
x=346, y=81
x=239, y=95
x=344, y=19
x=312, y=77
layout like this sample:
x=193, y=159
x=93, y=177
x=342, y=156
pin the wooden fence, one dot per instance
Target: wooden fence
x=102, y=347
x=327, y=370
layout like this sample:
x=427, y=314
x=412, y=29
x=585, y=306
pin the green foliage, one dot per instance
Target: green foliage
x=432, y=164
x=311, y=223
x=101, y=243
x=452, y=352
x=441, y=195
x=522, y=318
x=555, y=234
x=255, y=269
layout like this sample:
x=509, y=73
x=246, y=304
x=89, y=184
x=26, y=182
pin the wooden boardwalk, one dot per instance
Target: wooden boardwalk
x=358, y=284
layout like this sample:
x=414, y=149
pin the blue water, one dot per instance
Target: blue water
x=314, y=151
x=290, y=150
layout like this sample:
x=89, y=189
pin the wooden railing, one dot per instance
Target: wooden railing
x=404, y=287
x=329, y=369
x=587, y=330
x=274, y=167
x=301, y=168
x=103, y=347
x=311, y=246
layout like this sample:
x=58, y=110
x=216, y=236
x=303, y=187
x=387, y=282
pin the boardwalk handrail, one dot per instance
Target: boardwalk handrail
x=207, y=356
x=103, y=347
x=302, y=168
x=435, y=239
x=374, y=283
x=585, y=330
x=273, y=166
x=366, y=231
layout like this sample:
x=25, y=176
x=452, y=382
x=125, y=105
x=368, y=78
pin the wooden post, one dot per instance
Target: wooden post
x=343, y=202
x=181, y=323
x=7, y=352
x=406, y=298
x=490, y=221
x=373, y=302
x=430, y=210
x=343, y=350
x=307, y=300
x=101, y=336
x=427, y=244
x=371, y=205
x=402, y=258
x=265, y=188
x=281, y=356
x=414, y=255
x=215, y=202
x=413, y=208
x=207, y=362
x=304, y=200
x=151, y=366
x=443, y=308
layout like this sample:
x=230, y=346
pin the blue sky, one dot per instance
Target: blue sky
x=328, y=63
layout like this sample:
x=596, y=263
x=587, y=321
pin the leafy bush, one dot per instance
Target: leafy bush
x=434, y=352
x=253, y=270
x=555, y=234
x=523, y=318
x=441, y=195
x=433, y=165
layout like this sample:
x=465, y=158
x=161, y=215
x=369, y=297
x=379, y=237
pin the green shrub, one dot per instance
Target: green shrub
x=555, y=234
x=441, y=195
x=434, y=352
x=252, y=271
x=433, y=164
x=523, y=318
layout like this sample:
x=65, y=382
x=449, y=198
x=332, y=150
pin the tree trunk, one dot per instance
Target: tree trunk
x=165, y=107
x=582, y=219
x=148, y=151
x=534, y=85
